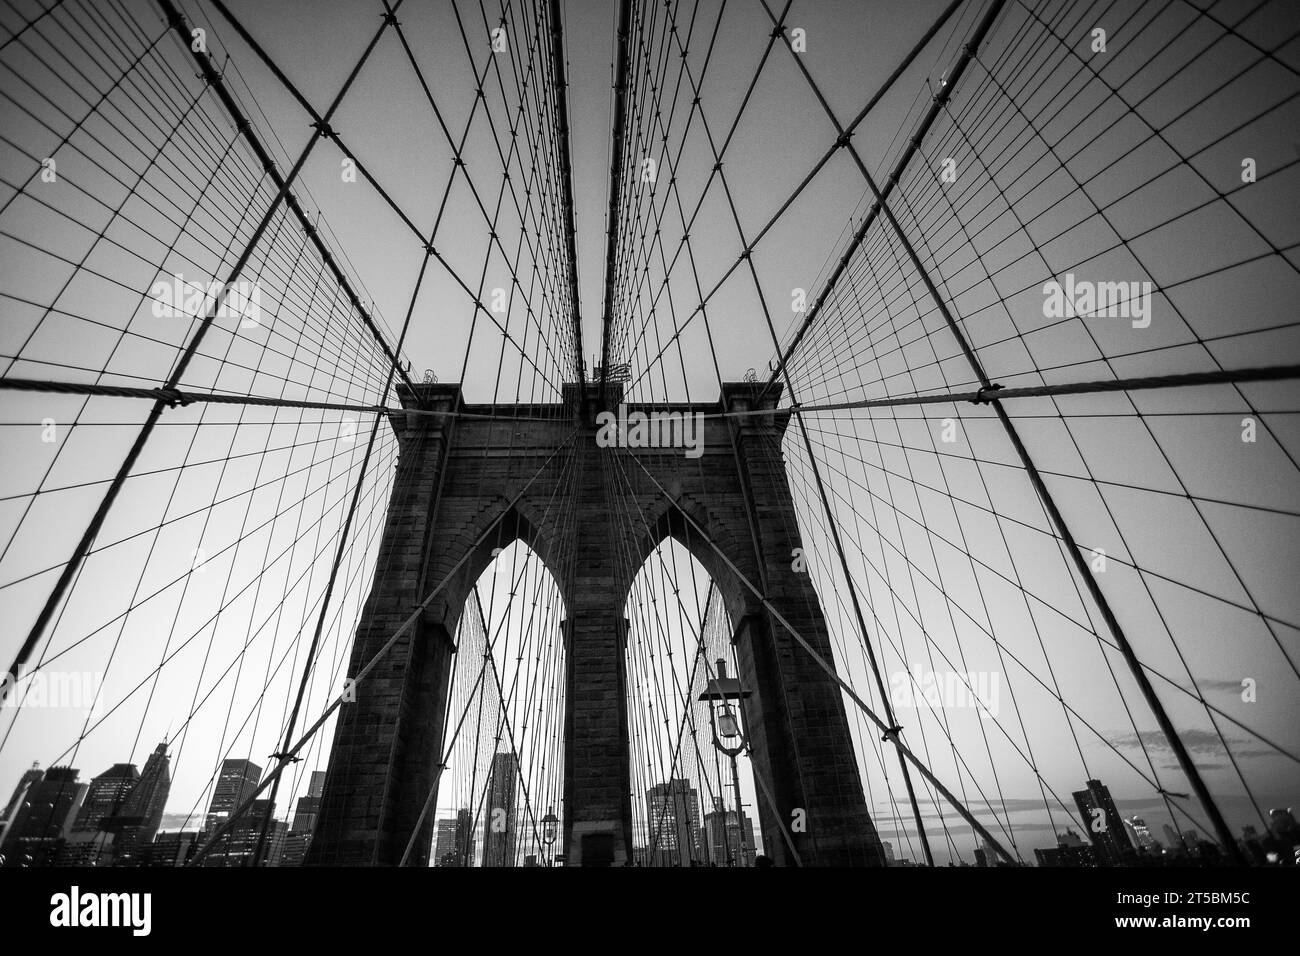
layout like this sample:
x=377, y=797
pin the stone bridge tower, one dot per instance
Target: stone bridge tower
x=474, y=482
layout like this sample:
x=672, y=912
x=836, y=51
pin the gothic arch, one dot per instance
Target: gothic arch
x=465, y=472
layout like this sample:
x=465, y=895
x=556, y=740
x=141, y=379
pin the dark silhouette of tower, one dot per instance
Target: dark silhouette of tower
x=44, y=819
x=104, y=797
x=235, y=784
x=469, y=483
x=499, y=812
x=1104, y=825
x=136, y=823
x=92, y=839
x=29, y=777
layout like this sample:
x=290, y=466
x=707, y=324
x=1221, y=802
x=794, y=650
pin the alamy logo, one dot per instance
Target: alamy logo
x=174, y=297
x=655, y=430
x=977, y=689
x=75, y=908
x=1087, y=299
x=74, y=690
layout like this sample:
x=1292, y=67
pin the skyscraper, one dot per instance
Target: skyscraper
x=499, y=825
x=455, y=841
x=304, y=814
x=672, y=821
x=725, y=840
x=298, y=838
x=137, y=822
x=238, y=845
x=1142, y=835
x=29, y=777
x=43, y=820
x=91, y=840
x=1104, y=825
x=104, y=797
x=235, y=784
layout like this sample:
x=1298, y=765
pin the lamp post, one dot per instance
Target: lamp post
x=724, y=718
x=549, y=825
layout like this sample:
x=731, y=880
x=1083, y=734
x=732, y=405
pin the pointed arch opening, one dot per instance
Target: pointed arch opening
x=693, y=803
x=499, y=801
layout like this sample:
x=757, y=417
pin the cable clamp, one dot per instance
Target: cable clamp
x=986, y=394
x=286, y=758
x=174, y=397
x=843, y=139
x=891, y=733
x=390, y=20
x=323, y=128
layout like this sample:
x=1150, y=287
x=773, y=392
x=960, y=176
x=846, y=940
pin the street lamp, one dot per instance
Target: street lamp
x=724, y=718
x=549, y=825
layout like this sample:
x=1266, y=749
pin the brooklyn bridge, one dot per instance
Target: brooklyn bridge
x=517, y=433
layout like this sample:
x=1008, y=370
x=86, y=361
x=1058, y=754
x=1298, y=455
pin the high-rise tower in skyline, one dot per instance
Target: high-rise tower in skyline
x=1104, y=825
x=235, y=784
x=673, y=820
x=455, y=840
x=29, y=777
x=105, y=795
x=499, y=825
x=43, y=819
x=136, y=823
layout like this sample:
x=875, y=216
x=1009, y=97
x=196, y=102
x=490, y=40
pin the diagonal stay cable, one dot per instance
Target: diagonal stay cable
x=178, y=23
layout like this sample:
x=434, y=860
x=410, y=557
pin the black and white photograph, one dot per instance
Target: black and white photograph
x=854, y=436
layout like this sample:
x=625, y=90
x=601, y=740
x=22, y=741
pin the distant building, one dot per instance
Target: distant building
x=235, y=784
x=1142, y=835
x=455, y=840
x=304, y=815
x=317, y=786
x=238, y=845
x=86, y=848
x=104, y=796
x=1069, y=838
x=1103, y=824
x=672, y=821
x=1174, y=840
x=29, y=777
x=1066, y=854
x=170, y=849
x=308, y=807
x=722, y=833
x=499, y=822
x=136, y=823
x=1070, y=850
x=295, y=848
x=43, y=819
